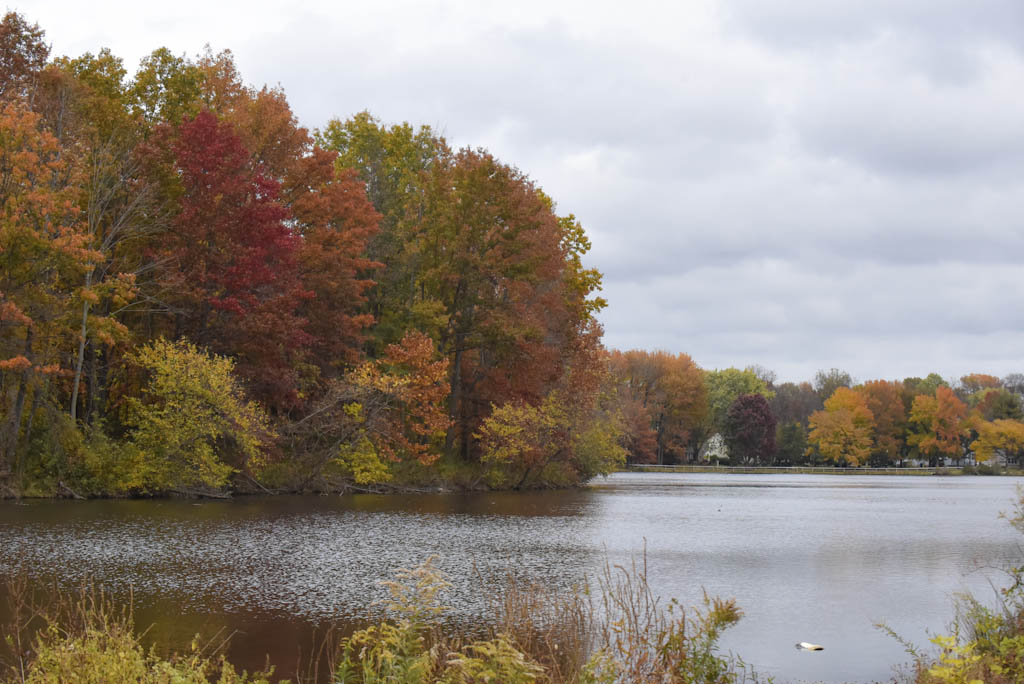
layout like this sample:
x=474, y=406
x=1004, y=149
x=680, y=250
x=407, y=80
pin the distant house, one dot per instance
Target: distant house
x=715, y=448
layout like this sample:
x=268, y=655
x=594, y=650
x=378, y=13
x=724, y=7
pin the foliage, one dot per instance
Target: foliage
x=724, y=387
x=665, y=403
x=192, y=414
x=794, y=403
x=399, y=652
x=790, y=443
x=84, y=637
x=999, y=436
x=749, y=430
x=938, y=424
x=885, y=401
x=842, y=432
x=407, y=389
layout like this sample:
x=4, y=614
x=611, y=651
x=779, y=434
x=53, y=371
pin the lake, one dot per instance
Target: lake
x=808, y=557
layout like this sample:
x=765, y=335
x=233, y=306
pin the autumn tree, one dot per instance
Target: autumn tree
x=996, y=403
x=23, y=56
x=193, y=426
x=885, y=401
x=166, y=88
x=842, y=431
x=228, y=267
x=495, y=261
x=723, y=388
x=43, y=248
x=1001, y=437
x=386, y=412
x=1014, y=382
x=976, y=382
x=914, y=387
x=393, y=164
x=666, y=390
x=749, y=430
x=937, y=425
x=120, y=206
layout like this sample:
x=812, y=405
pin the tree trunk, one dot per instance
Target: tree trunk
x=455, y=398
x=9, y=436
x=80, y=360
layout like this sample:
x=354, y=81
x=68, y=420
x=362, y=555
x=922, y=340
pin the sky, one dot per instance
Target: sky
x=799, y=184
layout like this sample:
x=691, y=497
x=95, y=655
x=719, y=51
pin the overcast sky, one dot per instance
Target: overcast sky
x=801, y=184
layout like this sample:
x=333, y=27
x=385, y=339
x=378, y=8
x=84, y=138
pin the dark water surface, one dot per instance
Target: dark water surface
x=809, y=558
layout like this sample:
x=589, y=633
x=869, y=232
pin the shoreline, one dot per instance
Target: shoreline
x=942, y=471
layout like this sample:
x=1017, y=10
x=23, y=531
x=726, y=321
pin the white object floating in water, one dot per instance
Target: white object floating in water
x=810, y=647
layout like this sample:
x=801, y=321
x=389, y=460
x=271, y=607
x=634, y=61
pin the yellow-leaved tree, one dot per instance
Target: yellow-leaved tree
x=843, y=431
x=193, y=426
x=1001, y=436
x=938, y=425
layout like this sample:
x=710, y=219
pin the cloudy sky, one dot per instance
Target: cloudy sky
x=801, y=184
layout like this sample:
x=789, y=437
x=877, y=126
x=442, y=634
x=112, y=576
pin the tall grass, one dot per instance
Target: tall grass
x=58, y=637
x=613, y=630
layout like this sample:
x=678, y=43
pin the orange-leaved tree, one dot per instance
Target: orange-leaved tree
x=885, y=401
x=938, y=425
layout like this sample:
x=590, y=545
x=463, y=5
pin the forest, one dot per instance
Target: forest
x=200, y=295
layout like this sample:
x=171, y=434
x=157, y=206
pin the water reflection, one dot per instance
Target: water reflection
x=814, y=558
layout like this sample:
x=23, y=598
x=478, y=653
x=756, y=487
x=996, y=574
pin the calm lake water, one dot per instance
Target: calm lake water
x=809, y=558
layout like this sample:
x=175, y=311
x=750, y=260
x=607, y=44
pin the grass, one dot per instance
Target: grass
x=613, y=631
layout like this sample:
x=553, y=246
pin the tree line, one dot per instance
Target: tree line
x=675, y=412
x=199, y=293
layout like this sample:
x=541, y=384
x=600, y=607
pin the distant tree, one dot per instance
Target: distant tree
x=938, y=425
x=795, y=403
x=726, y=386
x=1005, y=437
x=885, y=401
x=1014, y=382
x=766, y=375
x=791, y=443
x=842, y=432
x=670, y=390
x=976, y=382
x=914, y=387
x=750, y=430
x=996, y=403
x=827, y=382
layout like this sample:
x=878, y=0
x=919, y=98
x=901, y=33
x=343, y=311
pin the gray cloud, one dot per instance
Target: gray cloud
x=798, y=183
